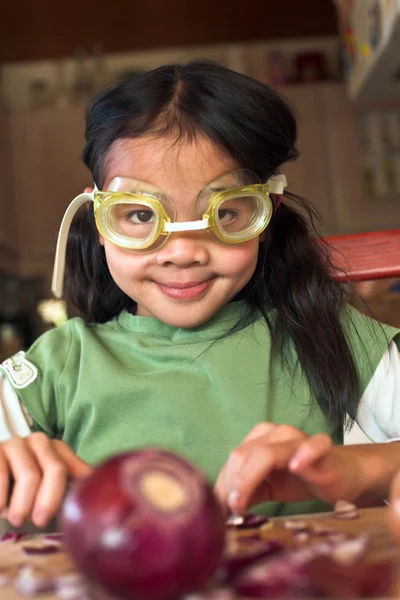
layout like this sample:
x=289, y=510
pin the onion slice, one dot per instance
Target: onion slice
x=248, y=521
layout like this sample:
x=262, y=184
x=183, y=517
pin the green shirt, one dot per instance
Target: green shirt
x=135, y=381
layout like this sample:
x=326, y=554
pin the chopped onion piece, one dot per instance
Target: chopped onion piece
x=295, y=525
x=247, y=521
x=345, y=510
x=244, y=552
x=13, y=536
x=31, y=581
x=40, y=550
x=53, y=538
x=349, y=551
x=301, y=535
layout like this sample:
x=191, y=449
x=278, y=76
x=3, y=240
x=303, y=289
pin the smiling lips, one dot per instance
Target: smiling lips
x=185, y=291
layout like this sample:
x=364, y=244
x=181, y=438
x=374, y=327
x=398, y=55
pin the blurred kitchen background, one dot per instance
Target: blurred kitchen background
x=338, y=64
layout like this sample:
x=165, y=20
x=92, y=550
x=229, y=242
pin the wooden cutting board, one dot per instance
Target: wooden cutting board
x=372, y=522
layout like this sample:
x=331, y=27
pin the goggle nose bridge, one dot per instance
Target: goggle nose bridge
x=187, y=226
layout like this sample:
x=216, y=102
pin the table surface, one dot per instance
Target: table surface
x=372, y=521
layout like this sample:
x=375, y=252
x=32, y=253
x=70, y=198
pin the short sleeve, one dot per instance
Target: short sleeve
x=378, y=414
x=34, y=376
x=368, y=340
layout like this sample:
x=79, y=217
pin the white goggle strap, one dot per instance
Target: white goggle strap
x=57, y=283
x=186, y=226
x=277, y=184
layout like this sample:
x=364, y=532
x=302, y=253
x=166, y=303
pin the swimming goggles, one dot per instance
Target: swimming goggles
x=139, y=217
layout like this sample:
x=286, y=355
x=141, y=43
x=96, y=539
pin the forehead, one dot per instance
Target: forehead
x=173, y=166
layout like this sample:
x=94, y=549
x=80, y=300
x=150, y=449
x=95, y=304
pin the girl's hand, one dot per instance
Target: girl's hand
x=281, y=463
x=394, y=509
x=37, y=469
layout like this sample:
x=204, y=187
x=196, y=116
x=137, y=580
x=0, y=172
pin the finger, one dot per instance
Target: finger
x=310, y=451
x=53, y=480
x=4, y=482
x=260, y=430
x=259, y=464
x=394, y=509
x=316, y=465
x=75, y=466
x=395, y=490
x=237, y=458
x=219, y=492
x=26, y=474
x=284, y=433
x=87, y=190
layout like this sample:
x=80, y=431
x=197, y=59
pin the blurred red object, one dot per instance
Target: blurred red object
x=370, y=264
x=366, y=256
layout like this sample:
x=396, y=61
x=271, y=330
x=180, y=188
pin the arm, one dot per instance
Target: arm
x=281, y=463
x=38, y=467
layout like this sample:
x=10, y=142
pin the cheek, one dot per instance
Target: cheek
x=242, y=258
x=122, y=263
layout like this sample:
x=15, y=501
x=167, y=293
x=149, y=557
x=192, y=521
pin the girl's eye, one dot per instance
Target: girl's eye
x=226, y=215
x=141, y=216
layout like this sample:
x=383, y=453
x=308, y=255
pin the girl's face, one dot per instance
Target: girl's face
x=191, y=277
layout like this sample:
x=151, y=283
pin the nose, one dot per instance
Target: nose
x=185, y=249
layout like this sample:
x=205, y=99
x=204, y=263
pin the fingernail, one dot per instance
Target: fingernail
x=396, y=506
x=15, y=520
x=297, y=460
x=39, y=518
x=233, y=500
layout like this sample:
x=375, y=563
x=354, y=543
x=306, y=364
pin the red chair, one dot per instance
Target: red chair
x=366, y=256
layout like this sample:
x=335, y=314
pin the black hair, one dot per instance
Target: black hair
x=253, y=124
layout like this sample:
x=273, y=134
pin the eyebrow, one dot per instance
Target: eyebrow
x=223, y=188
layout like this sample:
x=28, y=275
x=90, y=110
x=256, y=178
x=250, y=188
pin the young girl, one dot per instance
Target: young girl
x=212, y=324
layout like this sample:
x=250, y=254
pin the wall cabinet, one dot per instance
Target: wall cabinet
x=8, y=224
x=308, y=177
x=329, y=171
x=48, y=174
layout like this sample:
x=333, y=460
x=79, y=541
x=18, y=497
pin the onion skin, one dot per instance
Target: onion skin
x=125, y=543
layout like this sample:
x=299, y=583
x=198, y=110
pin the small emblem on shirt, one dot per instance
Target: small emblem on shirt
x=20, y=370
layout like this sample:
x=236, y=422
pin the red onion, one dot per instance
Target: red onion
x=32, y=581
x=274, y=578
x=144, y=525
x=315, y=573
x=331, y=579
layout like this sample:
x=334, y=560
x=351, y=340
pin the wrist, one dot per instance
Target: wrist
x=374, y=468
